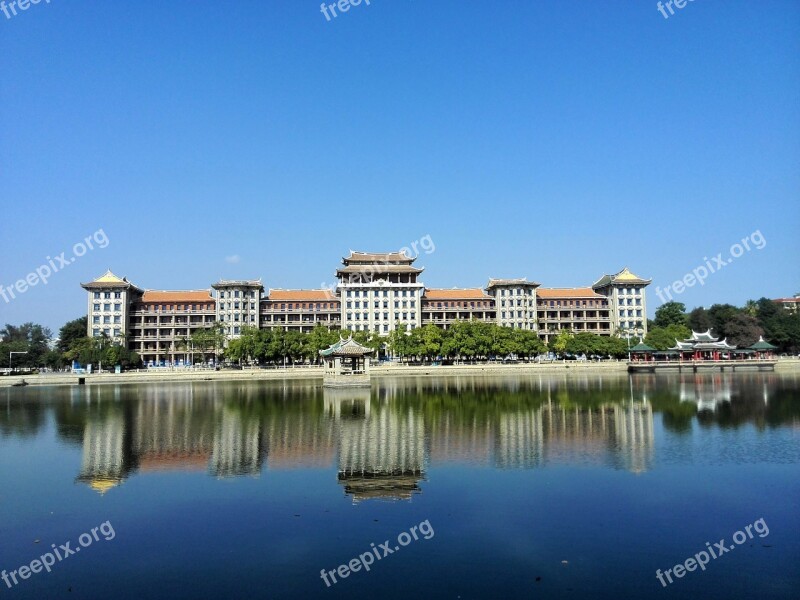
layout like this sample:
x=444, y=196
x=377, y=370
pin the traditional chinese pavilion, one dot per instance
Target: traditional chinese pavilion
x=346, y=364
x=703, y=346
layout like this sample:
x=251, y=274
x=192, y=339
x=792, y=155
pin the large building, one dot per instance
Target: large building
x=376, y=292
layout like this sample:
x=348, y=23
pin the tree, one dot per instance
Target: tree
x=28, y=337
x=71, y=331
x=743, y=330
x=670, y=313
x=558, y=344
x=699, y=320
x=720, y=315
x=662, y=338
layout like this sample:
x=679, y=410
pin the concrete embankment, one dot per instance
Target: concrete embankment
x=166, y=375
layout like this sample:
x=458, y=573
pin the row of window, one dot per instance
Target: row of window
x=236, y=305
x=376, y=304
x=378, y=316
x=379, y=293
x=107, y=307
x=107, y=295
x=106, y=319
x=629, y=313
x=460, y=304
x=237, y=294
x=517, y=292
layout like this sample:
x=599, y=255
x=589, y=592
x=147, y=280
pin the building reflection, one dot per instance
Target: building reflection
x=384, y=442
x=381, y=452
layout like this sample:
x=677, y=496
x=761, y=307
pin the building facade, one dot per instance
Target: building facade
x=376, y=292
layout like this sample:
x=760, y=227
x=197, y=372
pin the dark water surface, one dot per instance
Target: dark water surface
x=532, y=487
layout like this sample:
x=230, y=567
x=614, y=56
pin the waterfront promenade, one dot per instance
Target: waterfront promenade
x=306, y=372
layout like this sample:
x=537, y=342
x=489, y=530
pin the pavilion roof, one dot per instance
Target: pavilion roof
x=642, y=347
x=377, y=257
x=226, y=283
x=348, y=347
x=377, y=269
x=704, y=336
x=762, y=345
x=625, y=276
x=521, y=281
x=108, y=280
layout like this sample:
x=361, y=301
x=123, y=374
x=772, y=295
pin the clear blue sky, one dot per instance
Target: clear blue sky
x=557, y=141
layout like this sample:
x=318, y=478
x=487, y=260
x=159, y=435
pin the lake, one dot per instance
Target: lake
x=536, y=486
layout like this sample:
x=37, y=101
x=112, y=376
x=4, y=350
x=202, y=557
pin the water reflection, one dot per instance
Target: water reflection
x=383, y=442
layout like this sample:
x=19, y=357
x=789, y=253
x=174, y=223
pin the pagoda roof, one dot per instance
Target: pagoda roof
x=762, y=345
x=377, y=269
x=226, y=283
x=177, y=296
x=279, y=295
x=456, y=294
x=642, y=347
x=347, y=347
x=109, y=280
x=523, y=281
x=625, y=276
x=378, y=257
x=581, y=292
x=704, y=336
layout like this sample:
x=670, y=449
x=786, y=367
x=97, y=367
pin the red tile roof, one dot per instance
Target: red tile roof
x=584, y=292
x=301, y=295
x=177, y=296
x=456, y=294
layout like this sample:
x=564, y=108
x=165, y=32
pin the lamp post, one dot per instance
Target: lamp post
x=9, y=358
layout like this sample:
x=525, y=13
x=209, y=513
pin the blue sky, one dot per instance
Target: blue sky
x=553, y=140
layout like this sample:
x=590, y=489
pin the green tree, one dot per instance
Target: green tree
x=699, y=320
x=670, y=313
x=662, y=338
x=71, y=331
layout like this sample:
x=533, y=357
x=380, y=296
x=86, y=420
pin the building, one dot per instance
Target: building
x=380, y=292
x=376, y=292
x=791, y=304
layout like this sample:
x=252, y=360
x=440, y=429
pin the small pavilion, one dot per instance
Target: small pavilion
x=763, y=349
x=703, y=346
x=642, y=352
x=346, y=364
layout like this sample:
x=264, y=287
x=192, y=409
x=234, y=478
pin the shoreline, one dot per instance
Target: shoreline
x=568, y=367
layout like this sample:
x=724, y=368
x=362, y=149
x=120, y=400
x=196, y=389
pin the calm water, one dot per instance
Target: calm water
x=532, y=487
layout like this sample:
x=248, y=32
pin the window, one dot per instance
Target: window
x=96, y=319
x=117, y=294
x=106, y=307
x=236, y=294
x=97, y=295
x=107, y=295
x=118, y=307
x=96, y=307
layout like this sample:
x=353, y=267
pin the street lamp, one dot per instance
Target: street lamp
x=9, y=358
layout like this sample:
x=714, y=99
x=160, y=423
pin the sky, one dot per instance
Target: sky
x=557, y=141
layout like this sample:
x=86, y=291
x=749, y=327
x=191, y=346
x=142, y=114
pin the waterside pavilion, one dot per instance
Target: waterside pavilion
x=346, y=364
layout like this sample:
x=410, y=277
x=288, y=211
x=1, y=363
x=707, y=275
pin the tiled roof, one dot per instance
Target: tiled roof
x=348, y=347
x=108, y=281
x=301, y=295
x=456, y=294
x=520, y=281
x=624, y=276
x=583, y=292
x=377, y=269
x=177, y=296
x=379, y=257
